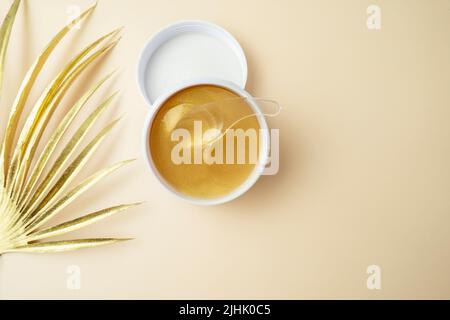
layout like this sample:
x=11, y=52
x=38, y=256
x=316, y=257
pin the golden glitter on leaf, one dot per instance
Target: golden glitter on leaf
x=32, y=188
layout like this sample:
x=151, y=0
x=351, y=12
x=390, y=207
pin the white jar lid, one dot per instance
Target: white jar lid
x=189, y=50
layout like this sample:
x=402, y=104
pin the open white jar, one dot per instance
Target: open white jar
x=189, y=54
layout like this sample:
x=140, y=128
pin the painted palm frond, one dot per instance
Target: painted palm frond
x=37, y=186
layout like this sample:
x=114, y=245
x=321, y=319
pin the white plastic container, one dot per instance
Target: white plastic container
x=187, y=54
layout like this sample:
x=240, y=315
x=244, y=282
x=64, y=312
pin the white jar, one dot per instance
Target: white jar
x=192, y=53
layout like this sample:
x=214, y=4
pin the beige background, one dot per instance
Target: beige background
x=365, y=157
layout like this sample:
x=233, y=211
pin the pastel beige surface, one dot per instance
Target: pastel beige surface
x=364, y=177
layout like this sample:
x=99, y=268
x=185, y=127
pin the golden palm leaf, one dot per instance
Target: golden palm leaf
x=32, y=194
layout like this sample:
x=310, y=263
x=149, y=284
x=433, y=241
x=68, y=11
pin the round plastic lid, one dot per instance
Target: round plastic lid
x=190, y=50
